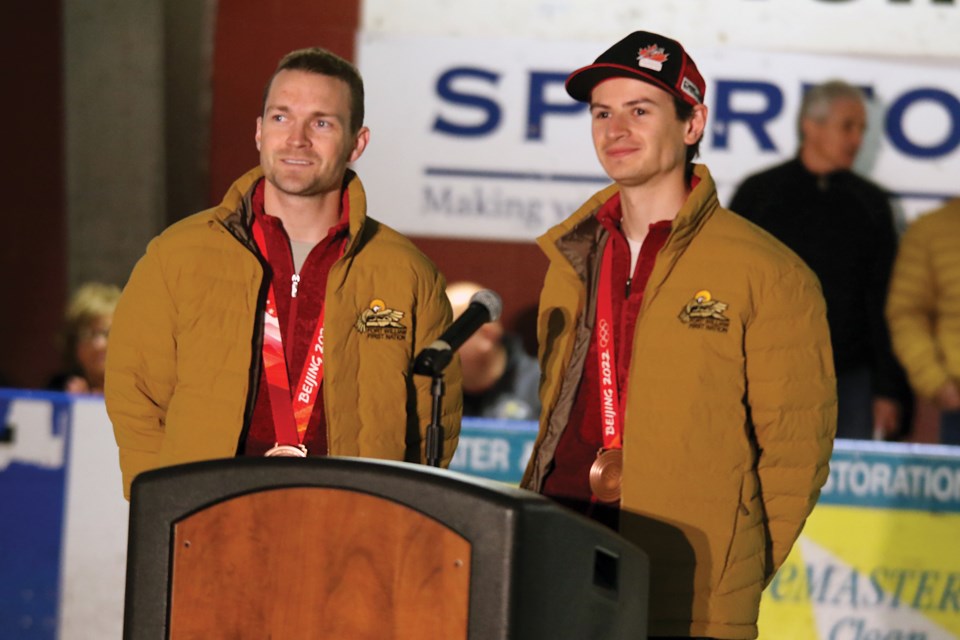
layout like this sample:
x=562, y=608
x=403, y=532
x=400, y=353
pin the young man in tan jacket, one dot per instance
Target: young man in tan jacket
x=688, y=393
x=283, y=321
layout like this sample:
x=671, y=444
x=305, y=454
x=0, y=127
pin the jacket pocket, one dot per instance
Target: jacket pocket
x=730, y=536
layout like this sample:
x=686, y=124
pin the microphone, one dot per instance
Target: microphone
x=485, y=306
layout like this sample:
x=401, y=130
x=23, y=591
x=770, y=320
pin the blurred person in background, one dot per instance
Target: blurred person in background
x=923, y=309
x=842, y=225
x=500, y=379
x=86, y=328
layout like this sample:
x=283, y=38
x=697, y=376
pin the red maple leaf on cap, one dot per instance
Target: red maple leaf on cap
x=653, y=52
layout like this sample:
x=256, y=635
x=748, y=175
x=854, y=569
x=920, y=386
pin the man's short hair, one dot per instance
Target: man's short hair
x=325, y=63
x=818, y=100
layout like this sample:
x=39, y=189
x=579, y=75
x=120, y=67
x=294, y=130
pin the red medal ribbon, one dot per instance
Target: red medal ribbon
x=291, y=412
x=610, y=414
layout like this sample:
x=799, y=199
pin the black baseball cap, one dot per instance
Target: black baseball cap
x=650, y=57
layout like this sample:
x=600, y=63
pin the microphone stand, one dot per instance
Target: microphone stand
x=431, y=362
x=434, y=444
x=484, y=307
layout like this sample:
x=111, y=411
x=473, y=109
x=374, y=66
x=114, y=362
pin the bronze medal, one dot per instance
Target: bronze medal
x=605, y=475
x=286, y=451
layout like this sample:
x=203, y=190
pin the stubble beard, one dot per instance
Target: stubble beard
x=303, y=187
x=627, y=175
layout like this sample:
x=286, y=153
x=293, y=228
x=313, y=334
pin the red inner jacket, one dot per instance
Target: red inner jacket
x=310, y=296
x=568, y=483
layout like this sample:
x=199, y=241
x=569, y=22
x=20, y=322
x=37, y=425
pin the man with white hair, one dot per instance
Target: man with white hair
x=841, y=224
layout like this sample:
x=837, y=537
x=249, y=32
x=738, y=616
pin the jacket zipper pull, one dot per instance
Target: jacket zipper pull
x=628, y=287
x=294, y=283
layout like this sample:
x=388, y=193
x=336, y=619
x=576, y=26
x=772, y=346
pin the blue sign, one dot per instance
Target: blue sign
x=494, y=449
x=32, y=512
x=894, y=476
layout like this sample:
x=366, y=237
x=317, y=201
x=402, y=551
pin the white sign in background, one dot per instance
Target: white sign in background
x=95, y=529
x=476, y=138
x=885, y=27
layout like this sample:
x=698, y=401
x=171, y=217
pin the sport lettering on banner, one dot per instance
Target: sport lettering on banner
x=494, y=148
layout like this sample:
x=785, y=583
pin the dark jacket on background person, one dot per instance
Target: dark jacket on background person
x=728, y=422
x=515, y=395
x=842, y=226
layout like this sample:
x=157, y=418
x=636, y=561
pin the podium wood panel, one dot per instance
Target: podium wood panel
x=313, y=562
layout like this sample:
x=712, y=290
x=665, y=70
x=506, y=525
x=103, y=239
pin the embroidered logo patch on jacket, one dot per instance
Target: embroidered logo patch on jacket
x=703, y=312
x=379, y=321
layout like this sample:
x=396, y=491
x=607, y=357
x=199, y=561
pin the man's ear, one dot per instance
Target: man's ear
x=360, y=142
x=696, y=124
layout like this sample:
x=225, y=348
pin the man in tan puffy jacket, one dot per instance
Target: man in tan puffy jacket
x=283, y=321
x=923, y=310
x=689, y=398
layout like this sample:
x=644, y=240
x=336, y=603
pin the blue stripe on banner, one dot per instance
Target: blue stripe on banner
x=527, y=176
x=538, y=176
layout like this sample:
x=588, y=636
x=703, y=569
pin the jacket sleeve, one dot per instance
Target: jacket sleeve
x=791, y=392
x=141, y=366
x=911, y=307
x=433, y=317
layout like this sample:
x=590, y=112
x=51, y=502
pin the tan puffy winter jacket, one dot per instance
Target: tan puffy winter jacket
x=730, y=407
x=923, y=306
x=184, y=354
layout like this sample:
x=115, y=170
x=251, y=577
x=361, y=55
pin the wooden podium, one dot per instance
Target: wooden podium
x=358, y=549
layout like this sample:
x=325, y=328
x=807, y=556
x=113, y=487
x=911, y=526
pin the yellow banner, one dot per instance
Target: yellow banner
x=879, y=558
